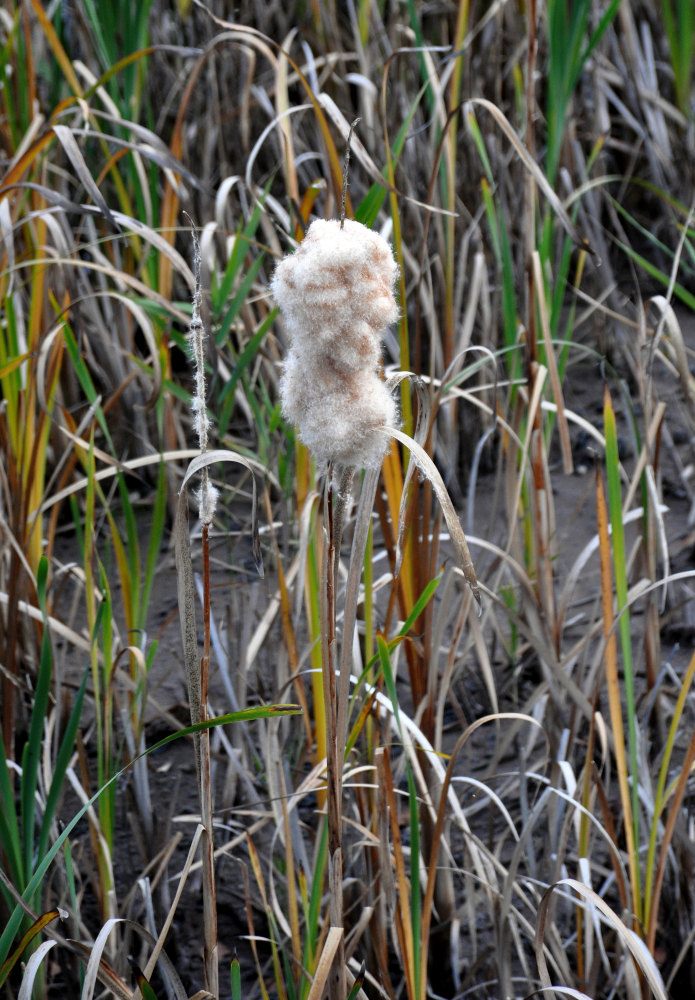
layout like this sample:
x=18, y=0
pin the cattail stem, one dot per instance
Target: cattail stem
x=334, y=768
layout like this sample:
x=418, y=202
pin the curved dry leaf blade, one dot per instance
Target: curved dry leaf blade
x=458, y=537
x=52, y=197
x=102, y=971
x=637, y=948
x=223, y=455
x=422, y=424
x=533, y=168
x=32, y=969
x=74, y=154
x=185, y=587
x=152, y=144
x=668, y=325
x=146, y=328
x=95, y=958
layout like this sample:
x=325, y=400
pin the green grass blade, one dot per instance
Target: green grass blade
x=67, y=748
x=247, y=355
x=679, y=21
x=147, y=992
x=154, y=545
x=235, y=978
x=674, y=732
x=245, y=239
x=685, y=296
x=358, y=984
x=481, y=148
x=370, y=206
x=245, y=715
x=10, y=837
x=240, y=297
x=621, y=590
x=32, y=748
x=415, y=893
x=415, y=888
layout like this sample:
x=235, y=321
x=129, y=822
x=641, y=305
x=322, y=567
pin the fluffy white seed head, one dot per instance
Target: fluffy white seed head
x=336, y=293
x=207, y=494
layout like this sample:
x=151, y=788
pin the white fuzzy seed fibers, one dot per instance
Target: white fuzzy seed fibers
x=336, y=293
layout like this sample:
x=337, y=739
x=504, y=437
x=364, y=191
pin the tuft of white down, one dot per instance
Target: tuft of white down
x=336, y=293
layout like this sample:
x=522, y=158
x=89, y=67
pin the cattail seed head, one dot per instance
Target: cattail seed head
x=336, y=293
x=207, y=494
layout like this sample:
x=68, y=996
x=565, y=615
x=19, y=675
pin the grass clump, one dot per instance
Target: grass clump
x=487, y=790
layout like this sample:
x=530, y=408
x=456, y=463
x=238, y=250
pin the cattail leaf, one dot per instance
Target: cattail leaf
x=235, y=978
x=333, y=940
x=150, y=146
x=422, y=424
x=615, y=510
x=12, y=925
x=147, y=992
x=652, y=883
x=532, y=167
x=43, y=921
x=7, y=234
x=57, y=49
x=612, y=678
x=358, y=983
x=359, y=545
x=628, y=938
x=187, y=613
x=206, y=459
x=674, y=814
x=458, y=538
x=99, y=969
x=31, y=971
x=74, y=154
x=95, y=956
x=13, y=364
x=555, y=381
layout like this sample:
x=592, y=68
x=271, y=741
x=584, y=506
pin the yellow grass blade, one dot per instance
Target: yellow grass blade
x=612, y=680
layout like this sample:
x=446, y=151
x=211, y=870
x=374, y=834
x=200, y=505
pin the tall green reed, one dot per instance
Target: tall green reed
x=679, y=23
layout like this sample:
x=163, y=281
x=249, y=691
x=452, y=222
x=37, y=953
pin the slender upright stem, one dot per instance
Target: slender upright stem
x=206, y=808
x=207, y=497
x=334, y=768
x=346, y=172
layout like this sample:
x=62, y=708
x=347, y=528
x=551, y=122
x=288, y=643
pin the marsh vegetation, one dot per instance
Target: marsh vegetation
x=310, y=738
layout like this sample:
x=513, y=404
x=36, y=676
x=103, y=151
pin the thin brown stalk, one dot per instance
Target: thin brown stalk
x=206, y=805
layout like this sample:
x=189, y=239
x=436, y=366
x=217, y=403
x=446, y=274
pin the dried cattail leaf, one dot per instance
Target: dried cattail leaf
x=458, y=538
